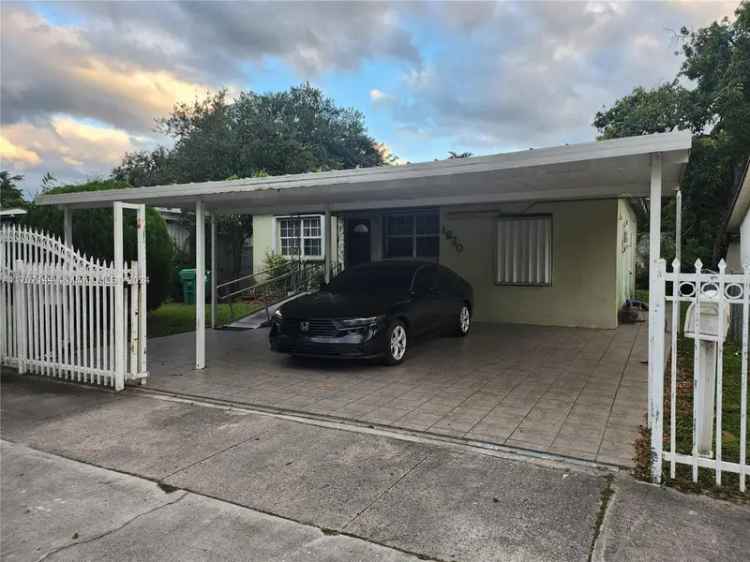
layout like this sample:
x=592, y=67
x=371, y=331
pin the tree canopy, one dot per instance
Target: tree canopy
x=710, y=96
x=11, y=196
x=294, y=131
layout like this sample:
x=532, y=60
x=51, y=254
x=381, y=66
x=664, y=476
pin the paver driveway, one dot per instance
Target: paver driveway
x=568, y=391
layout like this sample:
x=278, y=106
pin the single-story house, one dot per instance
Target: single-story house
x=546, y=236
x=564, y=263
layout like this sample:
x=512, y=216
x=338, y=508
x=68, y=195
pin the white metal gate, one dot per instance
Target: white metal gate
x=700, y=371
x=65, y=316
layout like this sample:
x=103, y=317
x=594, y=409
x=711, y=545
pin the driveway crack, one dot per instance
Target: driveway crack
x=112, y=531
x=604, y=500
x=384, y=492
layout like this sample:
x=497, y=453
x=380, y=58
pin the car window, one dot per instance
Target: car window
x=425, y=279
x=370, y=279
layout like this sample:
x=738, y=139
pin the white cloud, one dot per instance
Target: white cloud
x=17, y=156
x=69, y=149
x=379, y=97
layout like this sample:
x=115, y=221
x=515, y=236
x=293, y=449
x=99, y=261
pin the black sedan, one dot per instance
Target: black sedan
x=374, y=310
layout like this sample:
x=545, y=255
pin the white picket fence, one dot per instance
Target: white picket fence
x=710, y=297
x=65, y=316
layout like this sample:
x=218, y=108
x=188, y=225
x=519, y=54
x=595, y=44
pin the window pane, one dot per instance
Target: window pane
x=289, y=227
x=400, y=248
x=289, y=246
x=427, y=224
x=400, y=225
x=312, y=247
x=428, y=247
x=312, y=226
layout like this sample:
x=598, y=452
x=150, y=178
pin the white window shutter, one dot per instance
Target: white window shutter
x=524, y=250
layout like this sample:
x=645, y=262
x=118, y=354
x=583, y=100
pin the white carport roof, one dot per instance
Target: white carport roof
x=595, y=170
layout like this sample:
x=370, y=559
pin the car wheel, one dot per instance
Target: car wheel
x=463, y=325
x=395, y=343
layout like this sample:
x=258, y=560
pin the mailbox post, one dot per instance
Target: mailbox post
x=709, y=336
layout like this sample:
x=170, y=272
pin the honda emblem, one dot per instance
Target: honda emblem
x=304, y=326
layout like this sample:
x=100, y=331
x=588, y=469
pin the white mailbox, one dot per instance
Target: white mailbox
x=706, y=365
x=709, y=320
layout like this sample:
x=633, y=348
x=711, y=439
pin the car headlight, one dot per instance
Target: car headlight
x=358, y=322
x=278, y=315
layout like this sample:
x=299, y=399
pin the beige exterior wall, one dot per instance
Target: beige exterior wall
x=590, y=273
x=627, y=237
x=262, y=240
x=583, y=291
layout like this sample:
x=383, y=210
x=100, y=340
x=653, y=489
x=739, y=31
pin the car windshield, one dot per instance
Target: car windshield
x=371, y=279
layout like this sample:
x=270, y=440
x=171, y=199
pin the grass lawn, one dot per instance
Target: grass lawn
x=176, y=317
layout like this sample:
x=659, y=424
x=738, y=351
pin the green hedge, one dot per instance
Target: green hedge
x=93, y=235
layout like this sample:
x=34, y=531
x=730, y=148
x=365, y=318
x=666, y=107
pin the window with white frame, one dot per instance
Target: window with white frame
x=412, y=235
x=300, y=235
x=524, y=250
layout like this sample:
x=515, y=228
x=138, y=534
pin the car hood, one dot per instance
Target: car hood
x=324, y=304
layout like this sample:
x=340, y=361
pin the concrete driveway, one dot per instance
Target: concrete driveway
x=572, y=392
x=91, y=475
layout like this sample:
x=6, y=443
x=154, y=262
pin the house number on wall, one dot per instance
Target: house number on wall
x=453, y=239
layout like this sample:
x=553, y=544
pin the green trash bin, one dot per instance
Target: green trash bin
x=187, y=280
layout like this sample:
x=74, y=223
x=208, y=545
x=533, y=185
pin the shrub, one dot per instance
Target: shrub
x=93, y=235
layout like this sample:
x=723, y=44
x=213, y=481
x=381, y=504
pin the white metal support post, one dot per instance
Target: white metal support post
x=142, y=286
x=655, y=320
x=119, y=297
x=200, y=285
x=213, y=270
x=327, y=246
x=68, y=225
x=678, y=226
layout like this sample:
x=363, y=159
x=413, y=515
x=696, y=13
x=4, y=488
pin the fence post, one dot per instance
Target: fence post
x=656, y=388
x=743, y=374
x=4, y=321
x=119, y=382
x=20, y=310
x=673, y=374
x=134, y=319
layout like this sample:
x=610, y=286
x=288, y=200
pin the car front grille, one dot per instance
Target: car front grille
x=317, y=327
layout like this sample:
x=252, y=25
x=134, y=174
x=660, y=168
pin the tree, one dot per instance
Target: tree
x=11, y=197
x=716, y=108
x=299, y=130
x=93, y=235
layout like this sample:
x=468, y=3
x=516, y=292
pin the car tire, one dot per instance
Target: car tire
x=396, y=341
x=463, y=322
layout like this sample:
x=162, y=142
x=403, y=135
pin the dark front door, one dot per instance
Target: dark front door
x=357, y=241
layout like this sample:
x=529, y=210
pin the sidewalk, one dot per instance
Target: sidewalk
x=93, y=475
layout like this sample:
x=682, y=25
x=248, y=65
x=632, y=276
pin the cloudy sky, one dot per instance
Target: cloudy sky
x=81, y=83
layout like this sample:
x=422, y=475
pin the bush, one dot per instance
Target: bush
x=93, y=235
x=276, y=262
